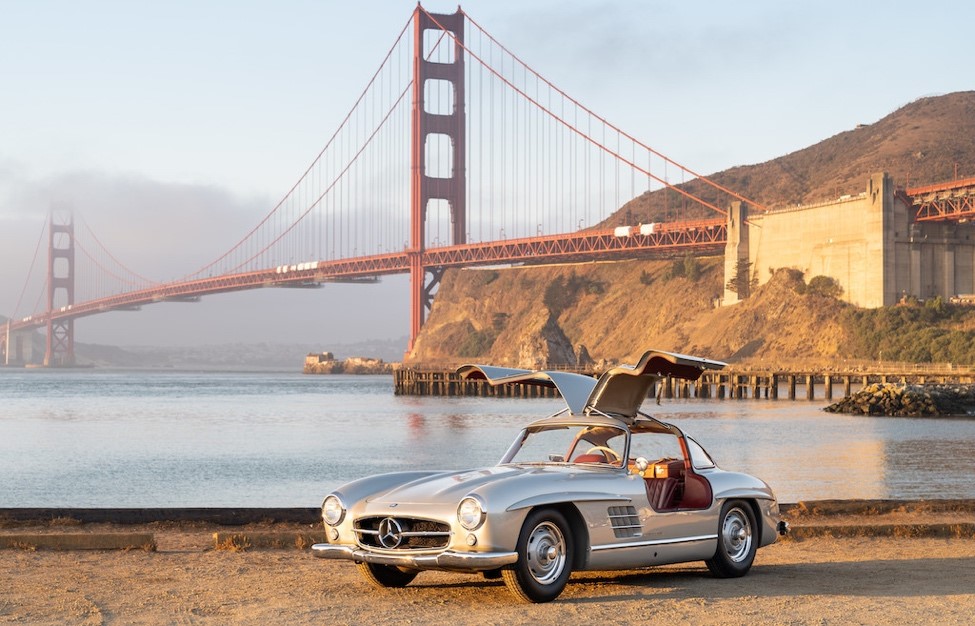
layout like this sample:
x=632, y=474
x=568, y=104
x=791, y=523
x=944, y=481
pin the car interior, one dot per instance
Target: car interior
x=657, y=455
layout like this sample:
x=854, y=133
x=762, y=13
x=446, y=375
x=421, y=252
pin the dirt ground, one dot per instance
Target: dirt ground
x=813, y=581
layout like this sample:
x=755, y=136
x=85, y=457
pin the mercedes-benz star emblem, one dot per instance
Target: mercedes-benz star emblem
x=390, y=533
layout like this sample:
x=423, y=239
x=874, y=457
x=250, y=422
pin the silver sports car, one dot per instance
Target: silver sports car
x=597, y=486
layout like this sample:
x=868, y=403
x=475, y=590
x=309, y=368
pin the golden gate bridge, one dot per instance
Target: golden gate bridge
x=455, y=154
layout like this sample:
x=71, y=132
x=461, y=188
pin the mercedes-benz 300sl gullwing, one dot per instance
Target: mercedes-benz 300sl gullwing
x=598, y=486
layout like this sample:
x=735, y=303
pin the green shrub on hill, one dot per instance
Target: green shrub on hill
x=477, y=343
x=688, y=267
x=824, y=286
x=917, y=333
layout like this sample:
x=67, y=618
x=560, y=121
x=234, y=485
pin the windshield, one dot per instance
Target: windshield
x=604, y=445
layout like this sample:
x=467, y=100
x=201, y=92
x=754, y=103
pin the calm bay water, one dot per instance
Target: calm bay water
x=94, y=438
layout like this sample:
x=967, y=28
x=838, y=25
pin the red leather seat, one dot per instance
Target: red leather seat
x=589, y=458
x=660, y=492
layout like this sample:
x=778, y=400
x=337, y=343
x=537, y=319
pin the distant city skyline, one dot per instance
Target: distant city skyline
x=172, y=128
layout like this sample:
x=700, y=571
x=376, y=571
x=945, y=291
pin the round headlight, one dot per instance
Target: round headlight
x=470, y=514
x=332, y=510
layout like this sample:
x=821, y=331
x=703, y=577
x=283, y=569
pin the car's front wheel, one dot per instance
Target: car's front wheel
x=737, y=541
x=544, y=557
x=386, y=575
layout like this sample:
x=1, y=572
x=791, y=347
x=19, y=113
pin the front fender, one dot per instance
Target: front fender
x=358, y=490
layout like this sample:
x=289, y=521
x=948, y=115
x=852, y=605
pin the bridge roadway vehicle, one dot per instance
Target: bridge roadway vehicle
x=597, y=486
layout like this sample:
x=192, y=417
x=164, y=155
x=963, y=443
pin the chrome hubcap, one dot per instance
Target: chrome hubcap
x=545, y=553
x=736, y=535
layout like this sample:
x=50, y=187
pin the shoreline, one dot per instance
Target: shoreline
x=885, y=565
x=67, y=529
x=301, y=515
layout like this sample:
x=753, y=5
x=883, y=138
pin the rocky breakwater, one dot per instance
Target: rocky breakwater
x=908, y=400
x=325, y=363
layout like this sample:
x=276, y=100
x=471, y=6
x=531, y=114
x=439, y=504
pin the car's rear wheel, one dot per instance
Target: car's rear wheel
x=386, y=575
x=737, y=541
x=544, y=557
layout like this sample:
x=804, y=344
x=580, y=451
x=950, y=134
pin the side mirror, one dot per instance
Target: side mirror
x=556, y=458
x=641, y=464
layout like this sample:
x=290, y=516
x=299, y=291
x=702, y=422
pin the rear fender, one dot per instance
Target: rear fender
x=765, y=510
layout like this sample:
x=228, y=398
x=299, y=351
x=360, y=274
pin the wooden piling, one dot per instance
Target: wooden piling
x=712, y=384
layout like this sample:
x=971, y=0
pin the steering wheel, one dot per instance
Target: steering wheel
x=615, y=454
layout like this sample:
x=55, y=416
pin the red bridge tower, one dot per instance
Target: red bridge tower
x=60, y=280
x=429, y=31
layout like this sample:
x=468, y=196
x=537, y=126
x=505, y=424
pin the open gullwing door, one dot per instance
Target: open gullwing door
x=575, y=388
x=619, y=392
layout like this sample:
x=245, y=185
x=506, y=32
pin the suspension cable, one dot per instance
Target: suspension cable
x=611, y=125
x=30, y=271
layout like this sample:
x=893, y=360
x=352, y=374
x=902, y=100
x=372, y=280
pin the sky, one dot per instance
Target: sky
x=172, y=127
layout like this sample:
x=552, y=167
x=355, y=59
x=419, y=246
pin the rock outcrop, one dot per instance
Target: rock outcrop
x=908, y=400
x=545, y=344
x=325, y=363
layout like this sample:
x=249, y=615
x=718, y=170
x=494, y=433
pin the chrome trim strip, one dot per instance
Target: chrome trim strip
x=458, y=561
x=406, y=533
x=653, y=542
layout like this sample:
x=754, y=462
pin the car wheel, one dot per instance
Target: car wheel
x=544, y=557
x=737, y=541
x=386, y=575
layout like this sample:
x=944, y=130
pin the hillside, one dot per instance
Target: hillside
x=585, y=314
x=919, y=143
x=534, y=316
x=552, y=315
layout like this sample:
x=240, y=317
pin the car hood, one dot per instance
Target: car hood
x=619, y=391
x=516, y=481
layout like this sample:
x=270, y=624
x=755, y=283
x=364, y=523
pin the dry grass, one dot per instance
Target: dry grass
x=234, y=543
x=149, y=546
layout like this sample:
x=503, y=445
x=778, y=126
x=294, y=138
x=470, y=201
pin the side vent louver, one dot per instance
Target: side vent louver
x=625, y=521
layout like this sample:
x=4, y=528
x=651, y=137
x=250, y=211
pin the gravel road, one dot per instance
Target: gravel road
x=815, y=581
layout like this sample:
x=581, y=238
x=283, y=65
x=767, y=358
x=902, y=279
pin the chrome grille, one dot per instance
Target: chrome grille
x=625, y=521
x=401, y=533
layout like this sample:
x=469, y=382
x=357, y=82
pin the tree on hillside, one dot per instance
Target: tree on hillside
x=687, y=267
x=742, y=282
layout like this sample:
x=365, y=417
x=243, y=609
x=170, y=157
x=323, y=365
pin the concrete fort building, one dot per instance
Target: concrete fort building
x=871, y=243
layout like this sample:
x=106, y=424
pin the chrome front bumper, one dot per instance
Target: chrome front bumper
x=449, y=560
